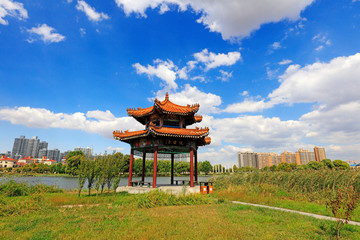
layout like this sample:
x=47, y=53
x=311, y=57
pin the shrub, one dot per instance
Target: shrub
x=159, y=198
x=13, y=189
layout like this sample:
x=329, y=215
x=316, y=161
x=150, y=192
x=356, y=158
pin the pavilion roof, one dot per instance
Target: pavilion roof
x=163, y=131
x=165, y=106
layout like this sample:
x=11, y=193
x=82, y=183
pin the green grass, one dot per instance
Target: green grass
x=119, y=216
x=272, y=196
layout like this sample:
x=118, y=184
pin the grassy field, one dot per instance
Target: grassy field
x=122, y=216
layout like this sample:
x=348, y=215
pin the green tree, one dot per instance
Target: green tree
x=315, y=165
x=182, y=167
x=206, y=167
x=90, y=173
x=235, y=168
x=73, y=160
x=328, y=163
x=293, y=166
x=273, y=168
x=81, y=176
x=284, y=166
x=341, y=164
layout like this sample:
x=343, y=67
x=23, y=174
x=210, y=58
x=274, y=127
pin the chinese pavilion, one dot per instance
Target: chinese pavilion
x=165, y=136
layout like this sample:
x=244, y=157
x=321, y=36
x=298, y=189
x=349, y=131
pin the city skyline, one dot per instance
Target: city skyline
x=268, y=75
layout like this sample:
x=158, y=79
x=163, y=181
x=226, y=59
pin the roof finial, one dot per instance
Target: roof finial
x=167, y=96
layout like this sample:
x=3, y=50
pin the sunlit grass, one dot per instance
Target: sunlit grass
x=118, y=216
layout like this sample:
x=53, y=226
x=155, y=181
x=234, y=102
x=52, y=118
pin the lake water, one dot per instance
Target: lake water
x=70, y=183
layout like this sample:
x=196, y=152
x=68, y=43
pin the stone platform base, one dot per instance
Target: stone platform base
x=168, y=189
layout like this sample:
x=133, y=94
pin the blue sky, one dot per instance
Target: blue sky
x=269, y=75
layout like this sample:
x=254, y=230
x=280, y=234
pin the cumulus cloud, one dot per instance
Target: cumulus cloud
x=165, y=70
x=339, y=124
x=213, y=60
x=227, y=153
x=91, y=12
x=332, y=83
x=257, y=131
x=46, y=33
x=13, y=9
x=231, y=18
x=248, y=105
x=99, y=122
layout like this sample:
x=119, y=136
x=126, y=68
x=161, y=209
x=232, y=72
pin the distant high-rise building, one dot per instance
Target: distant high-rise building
x=248, y=159
x=19, y=147
x=54, y=154
x=42, y=153
x=304, y=156
x=319, y=153
x=25, y=147
x=32, y=148
x=43, y=145
x=87, y=151
x=261, y=160
x=268, y=159
x=288, y=157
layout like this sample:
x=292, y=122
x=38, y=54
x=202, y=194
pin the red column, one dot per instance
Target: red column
x=196, y=166
x=155, y=166
x=191, y=168
x=131, y=166
x=172, y=169
x=143, y=167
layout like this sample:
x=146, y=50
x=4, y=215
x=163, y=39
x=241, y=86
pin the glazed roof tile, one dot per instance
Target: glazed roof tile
x=166, y=106
x=163, y=131
x=198, y=118
x=126, y=134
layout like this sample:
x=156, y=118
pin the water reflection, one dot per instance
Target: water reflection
x=70, y=183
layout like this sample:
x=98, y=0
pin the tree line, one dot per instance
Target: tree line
x=105, y=171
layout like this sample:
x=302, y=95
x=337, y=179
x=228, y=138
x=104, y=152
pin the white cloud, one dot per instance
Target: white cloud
x=321, y=39
x=165, y=70
x=248, y=105
x=227, y=153
x=213, y=60
x=90, y=12
x=102, y=123
x=285, y=62
x=231, y=18
x=319, y=48
x=343, y=152
x=256, y=131
x=13, y=9
x=271, y=74
x=339, y=124
x=46, y=33
x=332, y=83
x=225, y=76
x=116, y=149
x=244, y=93
x=329, y=84
x=82, y=31
x=276, y=45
